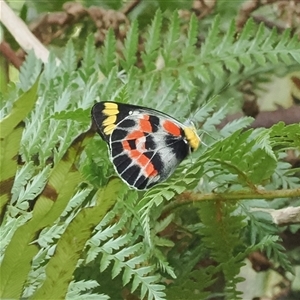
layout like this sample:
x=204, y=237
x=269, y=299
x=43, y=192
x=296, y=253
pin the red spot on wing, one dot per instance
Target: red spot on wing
x=126, y=145
x=135, y=154
x=145, y=125
x=150, y=171
x=144, y=162
x=171, y=128
x=134, y=135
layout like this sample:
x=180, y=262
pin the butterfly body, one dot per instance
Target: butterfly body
x=145, y=145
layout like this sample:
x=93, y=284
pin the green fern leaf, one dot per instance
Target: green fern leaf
x=204, y=111
x=88, y=61
x=50, y=68
x=262, y=137
x=285, y=37
x=34, y=187
x=246, y=34
x=259, y=37
x=108, y=58
x=109, y=85
x=270, y=40
x=22, y=177
x=64, y=261
x=201, y=71
x=29, y=71
x=217, y=117
x=190, y=45
x=115, y=243
x=228, y=39
x=232, y=65
x=216, y=69
x=69, y=63
x=211, y=39
x=152, y=42
x=130, y=47
x=260, y=58
x=231, y=127
x=172, y=38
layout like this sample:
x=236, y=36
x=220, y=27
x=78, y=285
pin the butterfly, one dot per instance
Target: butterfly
x=145, y=145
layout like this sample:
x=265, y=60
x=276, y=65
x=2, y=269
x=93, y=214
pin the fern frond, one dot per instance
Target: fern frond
x=29, y=71
x=150, y=85
x=278, y=253
x=239, y=146
x=283, y=177
x=211, y=39
x=162, y=262
x=230, y=127
x=283, y=135
x=90, y=93
x=192, y=286
x=262, y=137
x=109, y=85
x=222, y=237
x=172, y=38
x=23, y=175
x=205, y=110
x=152, y=42
x=217, y=116
x=254, y=46
x=50, y=69
x=88, y=60
x=68, y=62
x=107, y=58
x=130, y=47
x=81, y=290
x=191, y=38
x=33, y=188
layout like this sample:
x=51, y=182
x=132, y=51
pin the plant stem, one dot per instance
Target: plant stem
x=190, y=197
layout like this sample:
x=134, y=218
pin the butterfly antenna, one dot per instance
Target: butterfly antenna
x=204, y=131
x=213, y=97
x=205, y=144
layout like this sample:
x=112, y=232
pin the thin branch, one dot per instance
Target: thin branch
x=10, y=55
x=284, y=216
x=189, y=197
x=269, y=23
x=128, y=7
x=21, y=33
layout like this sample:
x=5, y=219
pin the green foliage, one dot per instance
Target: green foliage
x=64, y=211
x=130, y=47
x=109, y=54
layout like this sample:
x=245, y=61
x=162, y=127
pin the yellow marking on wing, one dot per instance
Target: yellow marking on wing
x=110, y=120
x=192, y=137
x=109, y=129
x=110, y=109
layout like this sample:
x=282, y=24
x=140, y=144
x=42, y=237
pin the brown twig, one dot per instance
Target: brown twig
x=128, y=7
x=284, y=216
x=269, y=24
x=21, y=33
x=203, y=7
x=247, y=9
x=10, y=55
x=54, y=25
x=192, y=198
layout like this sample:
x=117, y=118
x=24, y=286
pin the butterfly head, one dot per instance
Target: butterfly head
x=192, y=137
